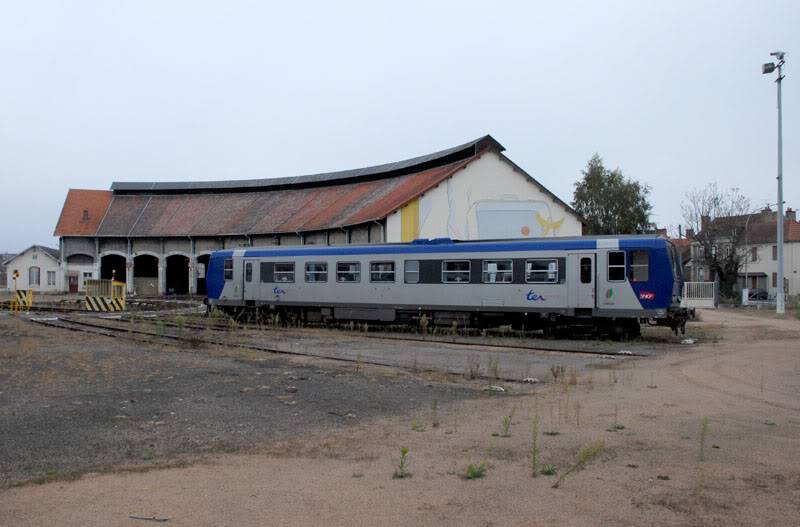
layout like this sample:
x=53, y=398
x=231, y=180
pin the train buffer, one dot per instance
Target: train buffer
x=22, y=300
x=105, y=295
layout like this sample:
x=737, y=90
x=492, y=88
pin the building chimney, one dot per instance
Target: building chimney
x=689, y=234
x=791, y=214
x=680, y=231
x=704, y=221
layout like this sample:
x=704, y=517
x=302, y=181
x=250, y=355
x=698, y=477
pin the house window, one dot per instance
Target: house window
x=86, y=276
x=754, y=254
x=544, y=271
x=381, y=272
x=227, y=269
x=316, y=272
x=33, y=276
x=51, y=278
x=774, y=279
x=774, y=253
x=498, y=272
x=640, y=271
x=348, y=272
x=455, y=271
x=284, y=272
x=412, y=271
x=616, y=266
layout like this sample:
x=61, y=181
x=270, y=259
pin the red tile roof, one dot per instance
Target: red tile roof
x=82, y=212
x=284, y=210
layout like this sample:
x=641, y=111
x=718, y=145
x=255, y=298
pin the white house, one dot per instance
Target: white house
x=38, y=268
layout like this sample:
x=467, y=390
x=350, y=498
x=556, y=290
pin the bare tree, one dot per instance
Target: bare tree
x=718, y=218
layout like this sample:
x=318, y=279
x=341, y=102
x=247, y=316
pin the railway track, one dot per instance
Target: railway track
x=382, y=334
x=436, y=356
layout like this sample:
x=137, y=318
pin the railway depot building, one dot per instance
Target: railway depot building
x=157, y=237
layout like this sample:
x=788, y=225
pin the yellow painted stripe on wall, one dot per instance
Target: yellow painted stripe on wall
x=409, y=221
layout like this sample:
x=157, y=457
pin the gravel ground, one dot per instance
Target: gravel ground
x=72, y=403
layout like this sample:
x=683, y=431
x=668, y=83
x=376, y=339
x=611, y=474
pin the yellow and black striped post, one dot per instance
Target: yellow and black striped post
x=22, y=299
x=105, y=295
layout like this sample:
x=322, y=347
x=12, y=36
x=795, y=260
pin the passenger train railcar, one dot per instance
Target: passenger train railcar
x=609, y=284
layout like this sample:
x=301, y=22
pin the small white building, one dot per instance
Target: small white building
x=38, y=268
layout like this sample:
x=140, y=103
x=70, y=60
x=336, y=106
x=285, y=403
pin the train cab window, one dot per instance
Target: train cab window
x=616, y=266
x=544, y=271
x=497, y=272
x=412, y=271
x=455, y=271
x=248, y=272
x=348, y=272
x=316, y=272
x=640, y=271
x=284, y=272
x=586, y=270
x=381, y=271
x=227, y=267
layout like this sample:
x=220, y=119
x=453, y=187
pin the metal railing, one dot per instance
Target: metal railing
x=699, y=294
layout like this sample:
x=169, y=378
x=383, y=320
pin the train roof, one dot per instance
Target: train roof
x=446, y=245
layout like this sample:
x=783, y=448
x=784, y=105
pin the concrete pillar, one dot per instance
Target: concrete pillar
x=162, y=276
x=192, y=274
x=129, y=275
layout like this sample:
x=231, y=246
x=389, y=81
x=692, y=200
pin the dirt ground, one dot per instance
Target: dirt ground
x=704, y=435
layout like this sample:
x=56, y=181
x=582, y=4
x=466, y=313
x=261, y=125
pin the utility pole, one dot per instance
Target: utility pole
x=769, y=68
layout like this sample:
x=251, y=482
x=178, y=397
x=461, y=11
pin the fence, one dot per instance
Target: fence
x=699, y=294
x=105, y=295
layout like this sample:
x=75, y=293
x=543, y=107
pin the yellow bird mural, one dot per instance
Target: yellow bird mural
x=548, y=225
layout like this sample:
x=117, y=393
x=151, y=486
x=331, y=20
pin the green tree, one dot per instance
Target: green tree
x=610, y=203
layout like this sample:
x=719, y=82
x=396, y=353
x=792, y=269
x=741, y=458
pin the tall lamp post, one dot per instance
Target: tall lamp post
x=769, y=67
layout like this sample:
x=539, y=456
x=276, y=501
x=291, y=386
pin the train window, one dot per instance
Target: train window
x=640, y=271
x=381, y=271
x=348, y=272
x=455, y=271
x=316, y=272
x=248, y=272
x=544, y=271
x=586, y=270
x=412, y=271
x=284, y=272
x=616, y=266
x=228, y=269
x=497, y=272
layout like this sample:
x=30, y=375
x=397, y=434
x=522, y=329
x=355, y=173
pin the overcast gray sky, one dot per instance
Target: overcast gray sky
x=670, y=92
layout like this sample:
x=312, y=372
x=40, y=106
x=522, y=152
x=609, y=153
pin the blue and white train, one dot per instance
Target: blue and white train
x=612, y=284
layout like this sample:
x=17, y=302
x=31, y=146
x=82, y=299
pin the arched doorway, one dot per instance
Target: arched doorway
x=202, y=269
x=112, y=266
x=145, y=275
x=177, y=275
x=80, y=267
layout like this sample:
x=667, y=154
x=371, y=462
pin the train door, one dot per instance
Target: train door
x=581, y=280
x=249, y=287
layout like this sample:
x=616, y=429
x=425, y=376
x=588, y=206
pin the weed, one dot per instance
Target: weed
x=703, y=437
x=416, y=427
x=616, y=427
x=359, y=363
x=578, y=414
x=535, y=442
x=475, y=471
x=585, y=455
x=402, y=471
x=473, y=368
x=358, y=475
x=573, y=376
x=494, y=368
x=557, y=371
x=506, y=424
x=435, y=413
x=551, y=433
x=180, y=322
x=549, y=470
x=148, y=454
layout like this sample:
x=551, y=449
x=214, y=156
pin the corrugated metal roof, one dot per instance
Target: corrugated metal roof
x=82, y=212
x=415, y=164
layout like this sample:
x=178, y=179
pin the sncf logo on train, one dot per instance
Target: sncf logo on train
x=647, y=295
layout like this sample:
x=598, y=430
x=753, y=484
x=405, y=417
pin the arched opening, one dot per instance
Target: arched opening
x=145, y=275
x=202, y=269
x=177, y=275
x=113, y=266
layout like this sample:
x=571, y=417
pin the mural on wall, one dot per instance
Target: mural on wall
x=506, y=216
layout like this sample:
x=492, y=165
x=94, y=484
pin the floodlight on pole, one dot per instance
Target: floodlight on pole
x=769, y=67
